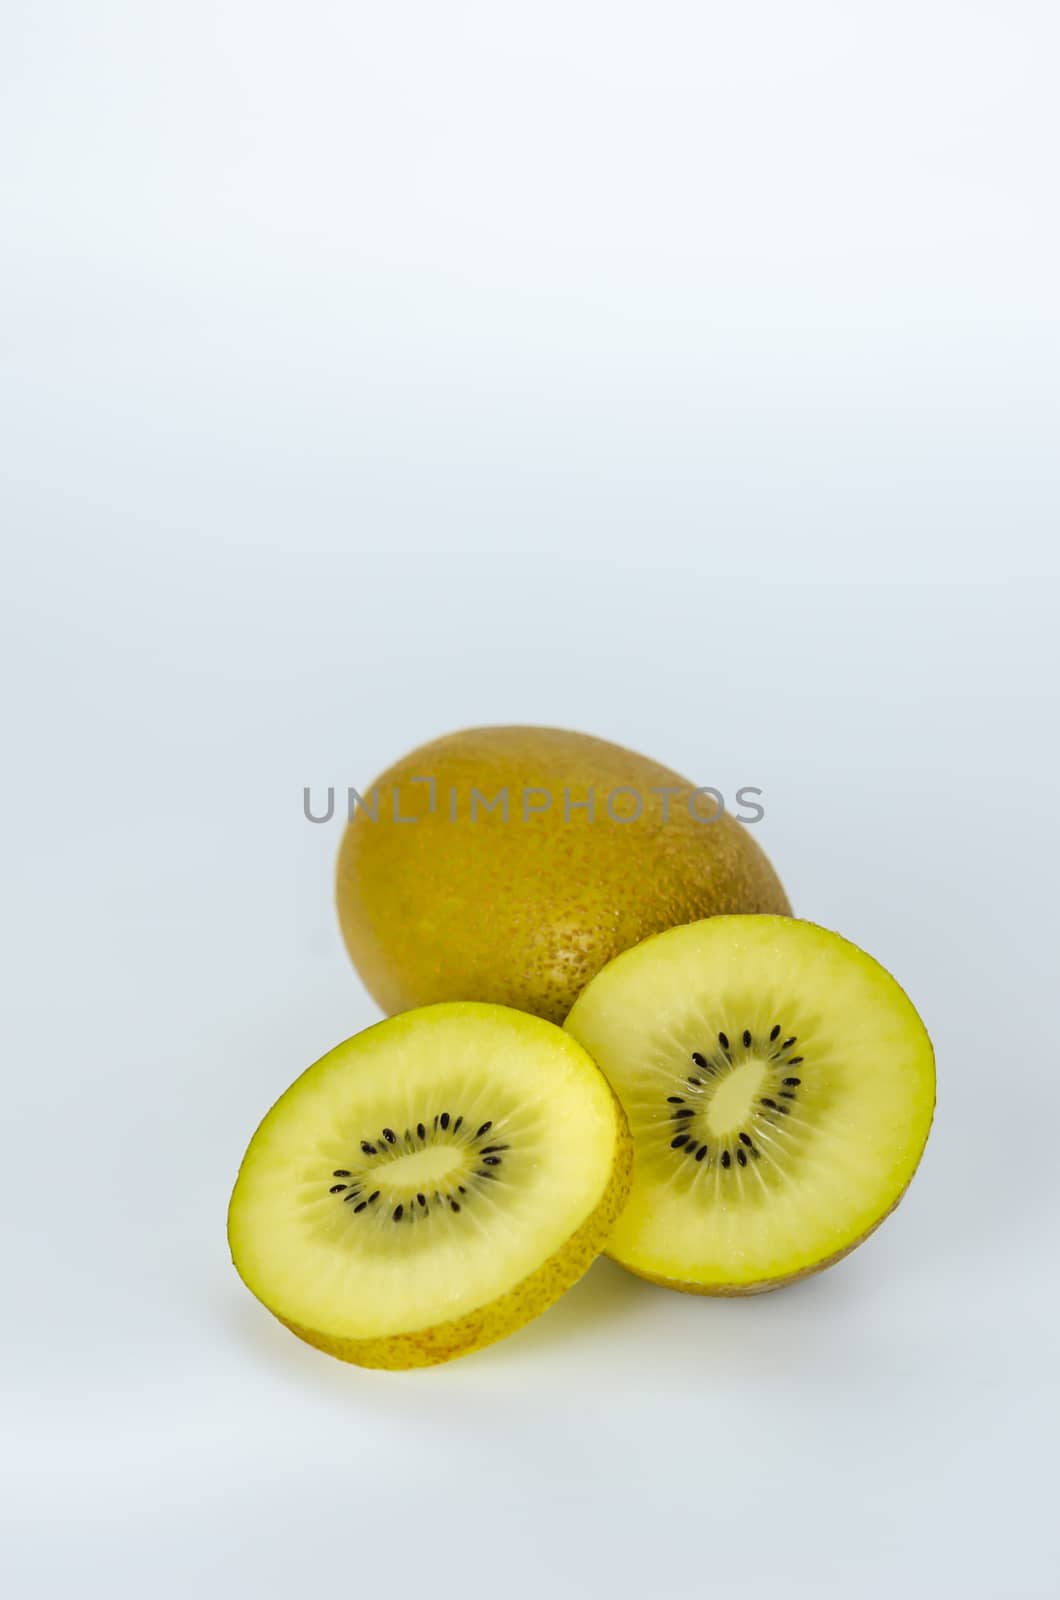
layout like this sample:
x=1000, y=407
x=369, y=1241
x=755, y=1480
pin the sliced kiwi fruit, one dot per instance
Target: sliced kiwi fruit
x=430, y=1185
x=779, y=1086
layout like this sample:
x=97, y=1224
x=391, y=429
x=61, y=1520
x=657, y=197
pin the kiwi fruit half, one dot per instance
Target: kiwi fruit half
x=780, y=1088
x=430, y=1185
x=510, y=864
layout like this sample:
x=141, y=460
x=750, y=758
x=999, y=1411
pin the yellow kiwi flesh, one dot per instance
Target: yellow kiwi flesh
x=430, y=1185
x=779, y=1087
x=476, y=869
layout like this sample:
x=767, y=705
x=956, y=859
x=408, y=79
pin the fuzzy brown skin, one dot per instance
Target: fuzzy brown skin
x=427, y=1347
x=524, y=913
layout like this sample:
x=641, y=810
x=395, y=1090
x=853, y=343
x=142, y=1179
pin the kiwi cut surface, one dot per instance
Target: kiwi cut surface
x=430, y=1185
x=779, y=1087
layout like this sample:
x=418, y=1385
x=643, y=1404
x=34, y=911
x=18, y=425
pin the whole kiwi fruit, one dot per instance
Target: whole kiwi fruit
x=510, y=864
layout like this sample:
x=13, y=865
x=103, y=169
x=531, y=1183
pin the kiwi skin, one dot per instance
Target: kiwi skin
x=526, y=912
x=427, y=1347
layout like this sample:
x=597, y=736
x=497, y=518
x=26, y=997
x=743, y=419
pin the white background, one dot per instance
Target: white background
x=684, y=373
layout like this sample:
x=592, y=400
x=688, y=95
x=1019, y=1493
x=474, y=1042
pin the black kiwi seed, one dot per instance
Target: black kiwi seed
x=683, y=1111
x=493, y=1161
x=794, y=1061
x=772, y=1104
x=480, y=1174
x=794, y=1082
x=699, y=1060
x=445, y=1119
x=675, y=1099
x=741, y=1158
x=485, y=1128
x=723, y=1041
x=454, y=1205
x=789, y=1042
x=747, y=1038
x=421, y=1130
x=787, y=1094
x=337, y=1188
x=369, y=1149
x=492, y=1149
x=682, y=1138
x=421, y=1200
x=360, y=1207
x=389, y=1135
x=456, y=1124
x=373, y=1196
x=701, y=1152
x=351, y=1196
x=460, y=1189
x=726, y=1159
x=697, y=1083
x=745, y=1138
x=340, y=1172
x=774, y=1034
x=399, y=1212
